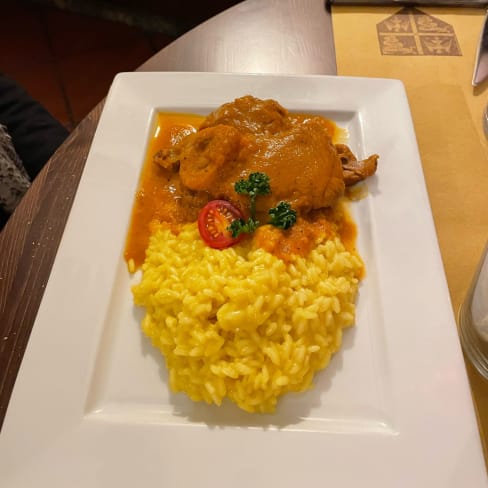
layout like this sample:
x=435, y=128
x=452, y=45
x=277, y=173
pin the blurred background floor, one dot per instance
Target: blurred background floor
x=67, y=60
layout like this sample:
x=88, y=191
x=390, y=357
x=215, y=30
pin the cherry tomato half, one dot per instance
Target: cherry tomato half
x=213, y=221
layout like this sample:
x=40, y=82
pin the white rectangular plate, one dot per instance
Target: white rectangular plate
x=91, y=406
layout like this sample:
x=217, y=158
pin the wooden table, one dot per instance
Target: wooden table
x=272, y=36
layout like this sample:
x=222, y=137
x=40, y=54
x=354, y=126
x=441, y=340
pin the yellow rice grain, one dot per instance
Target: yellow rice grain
x=241, y=323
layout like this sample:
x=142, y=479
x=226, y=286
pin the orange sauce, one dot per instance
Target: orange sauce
x=335, y=132
x=155, y=200
x=357, y=191
x=304, y=235
x=158, y=199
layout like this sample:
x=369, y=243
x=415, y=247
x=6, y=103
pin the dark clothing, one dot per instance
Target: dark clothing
x=35, y=133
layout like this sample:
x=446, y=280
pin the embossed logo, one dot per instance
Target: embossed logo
x=411, y=32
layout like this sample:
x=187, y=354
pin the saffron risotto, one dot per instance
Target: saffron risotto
x=240, y=322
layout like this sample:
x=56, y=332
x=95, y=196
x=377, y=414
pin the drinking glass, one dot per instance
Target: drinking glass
x=473, y=318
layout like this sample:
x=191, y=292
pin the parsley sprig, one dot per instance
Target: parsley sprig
x=282, y=216
x=256, y=184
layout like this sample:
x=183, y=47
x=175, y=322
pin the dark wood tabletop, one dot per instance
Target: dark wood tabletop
x=28, y=246
x=30, y=240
